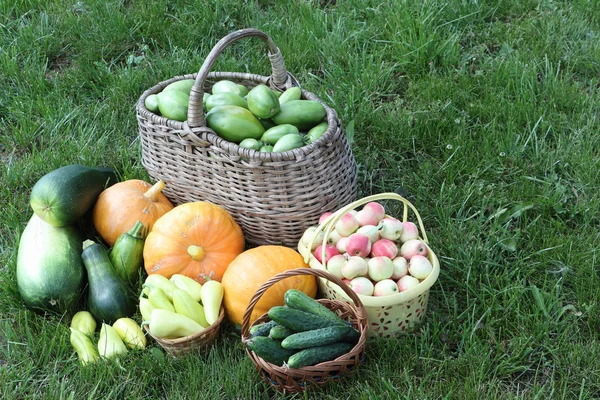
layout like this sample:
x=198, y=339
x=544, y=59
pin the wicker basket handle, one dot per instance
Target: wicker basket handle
x=279, y=76
x=360, y=309
x=328, y=225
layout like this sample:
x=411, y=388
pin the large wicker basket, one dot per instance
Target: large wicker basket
x=294, y=380
x=273, y=196
x=388, y=315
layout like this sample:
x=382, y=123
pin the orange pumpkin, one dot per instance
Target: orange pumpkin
x=253, y=268
x=120, y=206
x=196, y=239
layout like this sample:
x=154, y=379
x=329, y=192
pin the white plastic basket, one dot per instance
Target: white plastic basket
x=387, y=315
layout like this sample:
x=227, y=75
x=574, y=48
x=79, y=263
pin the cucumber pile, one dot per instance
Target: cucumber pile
x=261, y=119
x=302, y=333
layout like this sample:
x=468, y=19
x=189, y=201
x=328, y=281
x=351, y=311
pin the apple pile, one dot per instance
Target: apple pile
x=374, y=254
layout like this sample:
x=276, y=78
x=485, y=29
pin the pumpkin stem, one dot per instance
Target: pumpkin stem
x=197, y=252
x=155, y=190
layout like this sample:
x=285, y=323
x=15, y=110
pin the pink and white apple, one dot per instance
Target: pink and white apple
x=330, y=251
x=366, y=217
x=309, y=234
x=335, y=264
x=333, y=238
x=407, y=282
x=346, y=225
x=391, y=228
x=324, y=216
x=409, y=231
x=380, y=268
x=420, y=267
x=385, y=287
x=362, y=285
x=376, y=208
x=413, y=247
x=341, y=244
x=384, y=247
x=355, y=266
x=371, y=231
x=400, y=267
x=358, y=244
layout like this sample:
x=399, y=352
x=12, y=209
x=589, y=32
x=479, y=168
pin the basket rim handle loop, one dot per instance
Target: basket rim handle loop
x=361, y=312
x=279, y=75
x=328, y=225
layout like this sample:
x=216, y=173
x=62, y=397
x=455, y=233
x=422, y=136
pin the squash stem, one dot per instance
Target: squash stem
x=196, y=252
x=155, y=190
x=138, y=230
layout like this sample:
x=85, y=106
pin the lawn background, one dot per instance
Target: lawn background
x=484, y=114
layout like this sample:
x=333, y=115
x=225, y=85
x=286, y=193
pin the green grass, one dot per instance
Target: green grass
x=484, y=114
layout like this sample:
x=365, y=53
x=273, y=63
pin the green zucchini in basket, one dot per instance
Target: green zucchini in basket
x=301, y=301
x=319, y=354
x=300, y=321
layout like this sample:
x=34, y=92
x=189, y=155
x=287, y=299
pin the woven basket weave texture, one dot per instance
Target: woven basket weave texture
x=274, y=197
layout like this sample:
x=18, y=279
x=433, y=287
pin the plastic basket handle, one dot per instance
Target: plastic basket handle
x=279, y=74
x=360, y=310
x=328, y=225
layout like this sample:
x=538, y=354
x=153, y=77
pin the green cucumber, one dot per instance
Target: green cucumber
x=262, y=329
x=234, y=123
x=225, y=99
x=301, y=301
x=63, y=196
x=109, y=297
x=279, y=332
x=319, y=354
x=272, y=135
x=263, y=102
x=300, y=321
x=315, y=337
x=288, y=142
x=293, y=93
x=269, y=350
x=303, y=114
x=50, y=273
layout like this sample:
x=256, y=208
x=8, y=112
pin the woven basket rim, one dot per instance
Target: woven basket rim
x=210, y=136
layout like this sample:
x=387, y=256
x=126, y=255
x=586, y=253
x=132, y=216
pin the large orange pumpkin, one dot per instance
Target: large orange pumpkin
x=120, y=206
x=196, y=239
x=254, y=267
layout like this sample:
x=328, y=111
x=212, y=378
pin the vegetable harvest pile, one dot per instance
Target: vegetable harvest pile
x=123, y=262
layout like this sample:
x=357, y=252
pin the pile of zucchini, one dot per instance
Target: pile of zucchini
x=302, y=333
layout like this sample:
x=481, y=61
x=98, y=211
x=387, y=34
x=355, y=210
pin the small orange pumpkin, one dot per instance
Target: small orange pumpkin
x=196, y=239
x=253, y=268
x=120, y=206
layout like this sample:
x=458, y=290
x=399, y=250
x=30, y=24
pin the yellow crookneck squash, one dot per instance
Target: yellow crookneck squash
x=195, y=239
x=252, y=269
